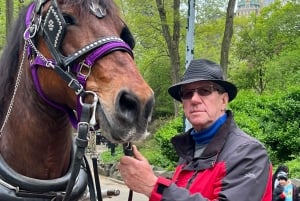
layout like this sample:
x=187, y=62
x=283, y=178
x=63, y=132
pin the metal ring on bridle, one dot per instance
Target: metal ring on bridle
x=32, y=30
x=95, y=100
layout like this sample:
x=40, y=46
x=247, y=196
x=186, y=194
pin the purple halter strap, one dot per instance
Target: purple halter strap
x=103, y=47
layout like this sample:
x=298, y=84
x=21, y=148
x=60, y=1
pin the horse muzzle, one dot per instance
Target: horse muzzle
x=129, y=118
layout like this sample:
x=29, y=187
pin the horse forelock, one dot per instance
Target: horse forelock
x=84, y=6
x=9, y=61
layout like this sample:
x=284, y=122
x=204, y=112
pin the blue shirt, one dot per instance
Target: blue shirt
x=288, y=191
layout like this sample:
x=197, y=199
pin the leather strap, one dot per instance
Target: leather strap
x=81, y=142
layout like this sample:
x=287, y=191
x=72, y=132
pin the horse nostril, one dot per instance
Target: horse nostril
x=129, y=106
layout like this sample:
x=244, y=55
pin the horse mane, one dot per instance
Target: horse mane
x=9, y=61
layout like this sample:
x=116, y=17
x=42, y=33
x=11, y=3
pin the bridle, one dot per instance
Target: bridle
x=52, y=27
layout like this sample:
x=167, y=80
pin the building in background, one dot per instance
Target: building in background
x=246, y=7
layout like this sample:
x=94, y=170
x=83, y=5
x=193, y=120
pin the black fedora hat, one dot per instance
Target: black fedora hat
x=203, y=70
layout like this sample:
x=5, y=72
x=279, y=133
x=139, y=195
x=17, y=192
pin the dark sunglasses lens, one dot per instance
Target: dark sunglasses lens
x=205, y=91
x=201, y=91
x=187, y=94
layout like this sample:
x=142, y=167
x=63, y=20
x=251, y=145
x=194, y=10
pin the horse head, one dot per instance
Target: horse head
x=80, y=46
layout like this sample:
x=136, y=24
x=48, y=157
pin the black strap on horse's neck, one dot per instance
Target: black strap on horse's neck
x=81, y=142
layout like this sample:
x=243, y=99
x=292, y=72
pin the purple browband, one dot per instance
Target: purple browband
x=97, y=53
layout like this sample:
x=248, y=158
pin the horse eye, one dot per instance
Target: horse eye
x=70, y=20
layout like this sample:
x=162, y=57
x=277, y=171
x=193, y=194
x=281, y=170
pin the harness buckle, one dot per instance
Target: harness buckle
x=81, y=72
x=76, y=86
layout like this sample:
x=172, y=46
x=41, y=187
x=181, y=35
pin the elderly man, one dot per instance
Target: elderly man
x=218, y=161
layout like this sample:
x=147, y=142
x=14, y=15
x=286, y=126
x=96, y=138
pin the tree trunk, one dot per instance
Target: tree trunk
x=227, y=36
x=9, y=14
x=172, y=41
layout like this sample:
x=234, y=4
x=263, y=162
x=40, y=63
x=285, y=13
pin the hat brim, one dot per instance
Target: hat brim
x=230, y=88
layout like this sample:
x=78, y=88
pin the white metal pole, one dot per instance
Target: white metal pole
x=190, y=42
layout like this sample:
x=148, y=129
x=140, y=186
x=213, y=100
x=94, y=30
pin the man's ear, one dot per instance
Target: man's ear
x=225, y=99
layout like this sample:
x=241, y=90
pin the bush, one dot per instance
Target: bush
x=163, y=136
x=273, y=119
x=294, y=167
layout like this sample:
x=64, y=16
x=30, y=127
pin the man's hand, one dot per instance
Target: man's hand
x=137, y=173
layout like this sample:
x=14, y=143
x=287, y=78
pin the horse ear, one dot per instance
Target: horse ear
x=38, y=6
x=128, y=37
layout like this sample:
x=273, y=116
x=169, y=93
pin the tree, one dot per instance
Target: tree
x=151, y=51
x=171, y=39
x=9, y=14
x=227, y=35
x=267, y=37
x=210, y=10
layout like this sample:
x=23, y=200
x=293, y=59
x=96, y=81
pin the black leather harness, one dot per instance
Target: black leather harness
x=15, y=187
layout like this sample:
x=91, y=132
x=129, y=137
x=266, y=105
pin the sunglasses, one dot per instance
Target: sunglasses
x=201, y=91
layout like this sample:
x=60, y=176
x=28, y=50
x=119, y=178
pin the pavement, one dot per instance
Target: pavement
x=108, y=183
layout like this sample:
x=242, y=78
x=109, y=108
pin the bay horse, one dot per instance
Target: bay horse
x=62, y=55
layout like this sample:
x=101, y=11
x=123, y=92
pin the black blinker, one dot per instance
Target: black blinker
x=54, y=27
x=128, y=37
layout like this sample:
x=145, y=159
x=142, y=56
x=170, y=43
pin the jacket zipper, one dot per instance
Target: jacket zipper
x=190, y=181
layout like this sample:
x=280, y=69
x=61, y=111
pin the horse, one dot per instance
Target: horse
x=62, y=56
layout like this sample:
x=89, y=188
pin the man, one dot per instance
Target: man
x=217, y=161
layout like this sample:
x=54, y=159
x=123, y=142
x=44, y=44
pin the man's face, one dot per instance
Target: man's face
x=203, y=103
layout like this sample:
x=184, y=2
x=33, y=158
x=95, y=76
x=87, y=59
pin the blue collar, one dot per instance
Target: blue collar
x=203, y=137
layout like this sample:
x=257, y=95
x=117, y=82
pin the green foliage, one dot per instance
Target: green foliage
x=212, y=34
x=210, y=10
x=163, y=136
x=247, y=108
x=284, y=70
x=282, y=126
x=268, y=38
x=294, y=168
x=17, y=6
x=293, y=165
x=106, y=157
x=273, y=119
x=152, y=151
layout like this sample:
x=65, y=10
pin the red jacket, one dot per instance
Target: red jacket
x=233, y=167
